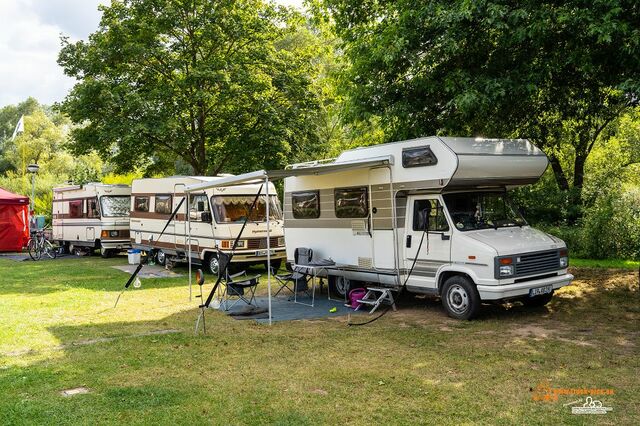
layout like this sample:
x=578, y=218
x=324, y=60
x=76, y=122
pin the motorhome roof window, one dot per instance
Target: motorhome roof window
x=437, y=219
x=306, y=204
x=234, y=208
x=351, y=202
x=418, y=157
x=481, y=210
x=198, y=204
x=141, y=204
x=163, y=204
x=75, y=208
x=115, y=205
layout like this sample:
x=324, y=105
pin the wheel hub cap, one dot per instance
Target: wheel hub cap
x=458, y=299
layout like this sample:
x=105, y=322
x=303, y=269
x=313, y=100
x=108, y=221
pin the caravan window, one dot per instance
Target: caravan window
x=437, y=220
x=418, y=157
x=199, y=204
x=163, y=204
x=306, y=205
x=351, y=202
x=75, y=208
x=141, y=204
x=92, y=207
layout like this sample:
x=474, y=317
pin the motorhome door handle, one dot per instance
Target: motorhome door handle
x=408, y=241
x=446, y=237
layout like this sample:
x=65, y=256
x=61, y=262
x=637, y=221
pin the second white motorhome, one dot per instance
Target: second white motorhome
x=430, y=215
x=91, y=217
x=215, y=219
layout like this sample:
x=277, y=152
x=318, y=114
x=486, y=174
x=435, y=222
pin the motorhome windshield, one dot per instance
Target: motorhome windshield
x=234, y=208
x=115, y=205
x=481, y=210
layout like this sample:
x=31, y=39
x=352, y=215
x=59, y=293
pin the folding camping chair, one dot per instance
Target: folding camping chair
x=238, y=285
x=298, y=276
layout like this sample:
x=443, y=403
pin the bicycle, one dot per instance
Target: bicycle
x=38, y=244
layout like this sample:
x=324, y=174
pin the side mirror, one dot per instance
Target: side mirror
x=206, y=217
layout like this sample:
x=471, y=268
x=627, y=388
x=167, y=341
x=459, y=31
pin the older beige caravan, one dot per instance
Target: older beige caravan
x=90, y=217
x=215, y=218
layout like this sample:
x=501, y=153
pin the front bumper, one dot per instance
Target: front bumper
x=251, y=256
x=510, y=291
x=115, y=244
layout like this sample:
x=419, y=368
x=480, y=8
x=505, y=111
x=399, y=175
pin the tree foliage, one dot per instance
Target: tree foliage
x=555, y=72
x=220, y=85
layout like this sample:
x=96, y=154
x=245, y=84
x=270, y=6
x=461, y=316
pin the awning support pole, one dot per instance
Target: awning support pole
x=268, y=202
x=188, y=238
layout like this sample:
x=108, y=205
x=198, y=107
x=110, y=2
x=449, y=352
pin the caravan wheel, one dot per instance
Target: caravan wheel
x=340, y=285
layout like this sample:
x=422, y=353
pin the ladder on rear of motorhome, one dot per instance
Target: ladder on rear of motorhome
x=377, y=296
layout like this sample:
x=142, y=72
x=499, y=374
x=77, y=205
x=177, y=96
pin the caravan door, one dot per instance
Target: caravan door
x=435, y=249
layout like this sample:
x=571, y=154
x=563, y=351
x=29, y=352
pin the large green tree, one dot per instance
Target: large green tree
x=216, y=84
x=556, y=72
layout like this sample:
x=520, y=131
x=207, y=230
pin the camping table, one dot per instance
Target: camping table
x=313, y=270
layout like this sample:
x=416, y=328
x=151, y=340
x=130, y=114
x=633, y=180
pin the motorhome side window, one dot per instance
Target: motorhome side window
x=306, y=205
x=199, y=210
x=418, y=157
x=141, y=204
x=75, y=208
x=437, y=220
x=163, y=204
x=351, y=202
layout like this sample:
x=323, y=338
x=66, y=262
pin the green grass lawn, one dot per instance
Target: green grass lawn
x=143, y=364
x=605, y=263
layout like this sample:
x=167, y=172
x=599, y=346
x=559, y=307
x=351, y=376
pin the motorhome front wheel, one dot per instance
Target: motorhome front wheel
x=460, y=298
x=212, y=264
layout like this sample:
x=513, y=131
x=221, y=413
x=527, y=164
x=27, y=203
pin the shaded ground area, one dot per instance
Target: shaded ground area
x=149, y=271
x=142, y=364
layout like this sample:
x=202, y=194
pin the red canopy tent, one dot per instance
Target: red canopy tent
x=14, y=221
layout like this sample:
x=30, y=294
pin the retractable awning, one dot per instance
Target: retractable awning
x=301, y=170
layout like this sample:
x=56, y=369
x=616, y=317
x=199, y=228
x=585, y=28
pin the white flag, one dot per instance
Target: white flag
x=19, y=128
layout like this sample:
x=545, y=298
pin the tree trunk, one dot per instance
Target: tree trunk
x=558, y=173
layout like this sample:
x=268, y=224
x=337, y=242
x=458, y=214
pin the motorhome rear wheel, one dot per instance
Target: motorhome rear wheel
x=460, y=298
x=340, y=285
x=161, y=258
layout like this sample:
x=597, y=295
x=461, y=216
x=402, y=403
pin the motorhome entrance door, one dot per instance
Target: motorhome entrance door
x=425, y=222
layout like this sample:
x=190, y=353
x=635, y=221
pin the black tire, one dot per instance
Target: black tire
x=538, y=300
x=212, y=265
x=161, y=258
x=106, y=253
x=340, y=285
x=32, y=248
x=460, y=298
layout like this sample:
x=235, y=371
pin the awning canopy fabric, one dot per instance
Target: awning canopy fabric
x=7, y=197
x=314, y=169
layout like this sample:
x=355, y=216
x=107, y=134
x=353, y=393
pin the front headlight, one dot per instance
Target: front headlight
x=506, y=270
x=113, y=233
x=241, y=244
x=280, y=241
x=564, y=258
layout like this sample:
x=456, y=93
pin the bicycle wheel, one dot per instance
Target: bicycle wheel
x=50, y=250
x=34, y=250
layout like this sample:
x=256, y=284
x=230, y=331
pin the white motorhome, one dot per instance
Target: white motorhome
x=215, y=219
x=431, y=215
x=90, y=217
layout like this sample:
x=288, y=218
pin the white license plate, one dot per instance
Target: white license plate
x=540, y=290
x=264, y=252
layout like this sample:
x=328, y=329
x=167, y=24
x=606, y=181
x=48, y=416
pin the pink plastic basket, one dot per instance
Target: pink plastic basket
x=355, y=295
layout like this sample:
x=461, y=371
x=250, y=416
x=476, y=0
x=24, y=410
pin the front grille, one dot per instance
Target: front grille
x=537, y=263
x=261, y=243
